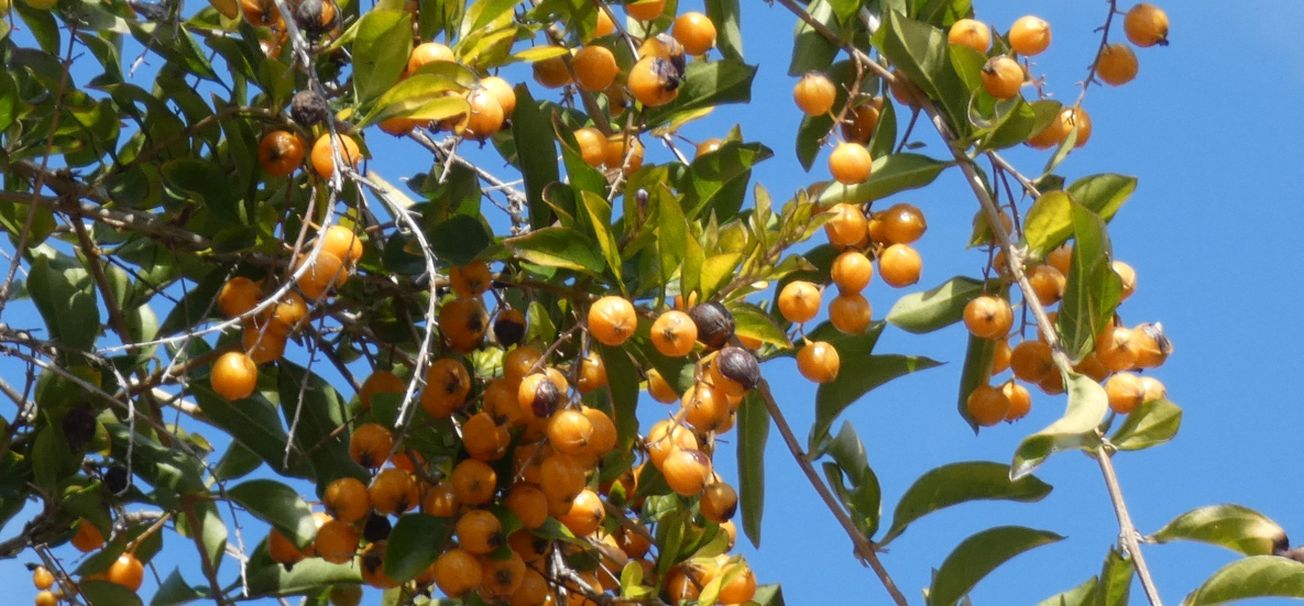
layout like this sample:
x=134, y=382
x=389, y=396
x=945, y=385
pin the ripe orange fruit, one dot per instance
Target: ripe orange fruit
x=1114, y=348
x=667, y=436
x=1125, y=391
x=529, y=504
x=457, y=572
x=1127, y=276
x=42, y=578
x=485, y=117
x=705, y=407
x=707, y=146
x=687, y=471
x=1061, y=258
x=902, y=223
x=427, y=53
x=539, y=394
x=654, y=81
x=346, y=499
x=234, y=376
x=519, y=362
x=595, y=68
x=1059, y=130
x=336, y=542
x=483, y=438
x=126, y=571
x=552, y=72
x=463, y=322
x=322, y=157
x=970, y=33
x=1116, y=64
x=612, y=320
x=719, y=502
x=569, y=431
x=502, y=92
x=851, y=313
x=262, y=345
x=862, y=120
x=659, y=388
x=987, y=405
x=397, y=126
x=370, y=445
x=1020, y=400
x=624, y=152
x=592, y=145
x=645, y=10
x=1154, y=390
x=593, y=373
x=1001, y=357
x=326, y=272
x=280, y=152
x=1031, y=361
x=502, y=577
x=447, y=385
x=46, y=598
x=900, y=265
x=440, y=500
x=474, y=482
x=819, y=362
x=88, y=537
x=846, y=225
x=988, y=317
x=238, y=296
x=674, y=334
x=1048, y=283
x=470, y=280
x=1152, y=345
x=561, y=477
x=695, y=31
x=799, y=301
x=605, y=26
x=381, y=381
x=585, y=514
x=1002, y=77
x=1146, y=25
x=343, y=243
x=850, y=163
x=851, y=271
x=288, y=313
x=815, y=94
x=604, y=431
x=1029, y=35
x=479, y=532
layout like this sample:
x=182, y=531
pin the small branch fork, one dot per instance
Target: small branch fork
x=1015, y=260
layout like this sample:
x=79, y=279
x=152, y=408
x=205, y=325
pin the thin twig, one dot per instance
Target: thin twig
x=1128, y=533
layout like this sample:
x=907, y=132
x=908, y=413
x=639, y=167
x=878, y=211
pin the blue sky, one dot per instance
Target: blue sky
x=1212, y=232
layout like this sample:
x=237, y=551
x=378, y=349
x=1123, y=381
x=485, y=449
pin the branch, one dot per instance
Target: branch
x=864, y=547
x=1128, y=533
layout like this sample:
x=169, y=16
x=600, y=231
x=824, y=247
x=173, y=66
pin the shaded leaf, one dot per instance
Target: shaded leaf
x=1252, y=577
x=1235, y=527
x=1150, y=424
x=1093, y=289
x=559, y=247
x=753, y=431
x=1076, y=429
x=278, y=505
x=414, y=543
x=977, y=371
x=980, y=554
x=890, y=175
x=857, y=377
x=958, y=483
x=940, y=306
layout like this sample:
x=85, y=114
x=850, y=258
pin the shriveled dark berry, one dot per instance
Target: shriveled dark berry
x=376, y=528
x=308, y=108
x=715, y=325
x=740, y=366
x=508, y=330
x=116, y=479
x=546, y=399
x=79, y=426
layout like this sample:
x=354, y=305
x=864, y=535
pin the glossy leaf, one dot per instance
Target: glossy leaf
x=1104, y=194
x=1093, y=289
x=752, y=322
x=890, y=175
x=380, y=51
x=274, y=580
x=958, y=483
x=1048, y=223
x=278, y=505
x=174, y=590
x=707, y=84
x=938, y=307
x=1235, y=527
x=854, y=480
x=313, y=407
x=811, y=51
x=726, y=15
x=1115, y=580
x=980, y=554
x=753, y=431
x=858, y=376
x=414, y=543
x=459, y=239
x=977, y=371
x=559, y=247
x=252, y=422
x=920, y=51
x=1150, y=424
x=1076, y=429
x=65, y=297
x=1252, y=577
x=532, y=130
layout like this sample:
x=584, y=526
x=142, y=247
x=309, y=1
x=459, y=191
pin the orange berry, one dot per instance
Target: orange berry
x=719, y=502
x=819, y=362
x=1061, y=258
x=595, y=68
x=970, y=33
x=326, y=272
x=346, y=499
x=645, y=10
x=1146, y=25
x=529, y=504
x=1127, y=276
x=604, y=431
x=551, y=72
x=479, y=532
x=1125, y=391
x=1047, y=283
x=126, y=571
x=447, y=385
x=1116, y=64
x=900, y=265
x=987, y=405
x=234, y=376
x=457, y=572
x=336, y=542
x=502, y=92
x=262, y=345
x=323, y=158
x=687, y=471
x=665, y=437
x=592, y=145
x=695, y=31
x=427, y=53
x=569, y=432
x=674, y=334
x=1002, y=77
x=659, y=388
x=463, y=322
x=46, y=598
x=381, y=381
x=88, y=537
x=851, y=271
x=585, y=514
x=1001, y=357
x=238, y=296
x=605, y=26
x=370, y=445
x=846, y=225
x=902, y=223
x=850, y=163
x=612, y=320
x=624, y=153
x=654, y=81
x=851, y=313
x=815, y=94
x=799, y=301
x=1020, y=400
x=1114, y=348
x=474, y=482
x=440, y=500
x=280, y=153
x=1031, y=361
x=988, y=317
x=862, y=120
x=343, y=243
x=42, y=578
x=1029, y=35
x=593, y=373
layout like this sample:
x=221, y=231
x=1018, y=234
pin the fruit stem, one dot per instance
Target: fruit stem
x=864, y=547
x=1128, y=534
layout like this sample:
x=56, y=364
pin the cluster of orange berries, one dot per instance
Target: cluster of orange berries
x=1119, y=350
x=887, y=236
x=43, y=580
x=126, y=570
x=235, y=373
x=850, y=162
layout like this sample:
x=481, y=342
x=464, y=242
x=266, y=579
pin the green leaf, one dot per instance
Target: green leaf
x=958, y=483
x=858, y=375
x=977, y=371
x=622, y=381
x=921, y=52
x=380, y=51
x=938, y=307
x=1115, y=580
x=558, y=247
x=65, y=297
x=768, y=595
x=707, y=84
x=1049, y=223
x=201, y=518
x=42, y=26
x=105, y=592
x=1076, y=429
x=272, y=579
x=1235, y=527
x=252, y=422
x=811, y=51
x=414, y=543
x=1150, y=424
x=459, y=239
x=278, y=505
x=175, y=590
x=599, y=213
x=1082, y=595
x=1094, y=288
x=863, y=498
x=752, y=322
x=980, y=554
x=312, y=405
x=532, y=130
x=422, y=97
x=890, y=175
x=1252, y=577
x=725, y=14
x=207, y=183
x=238, y=462
x=718, y=181
x=753, y=431
x=1011, y=128
x=1104, y=194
